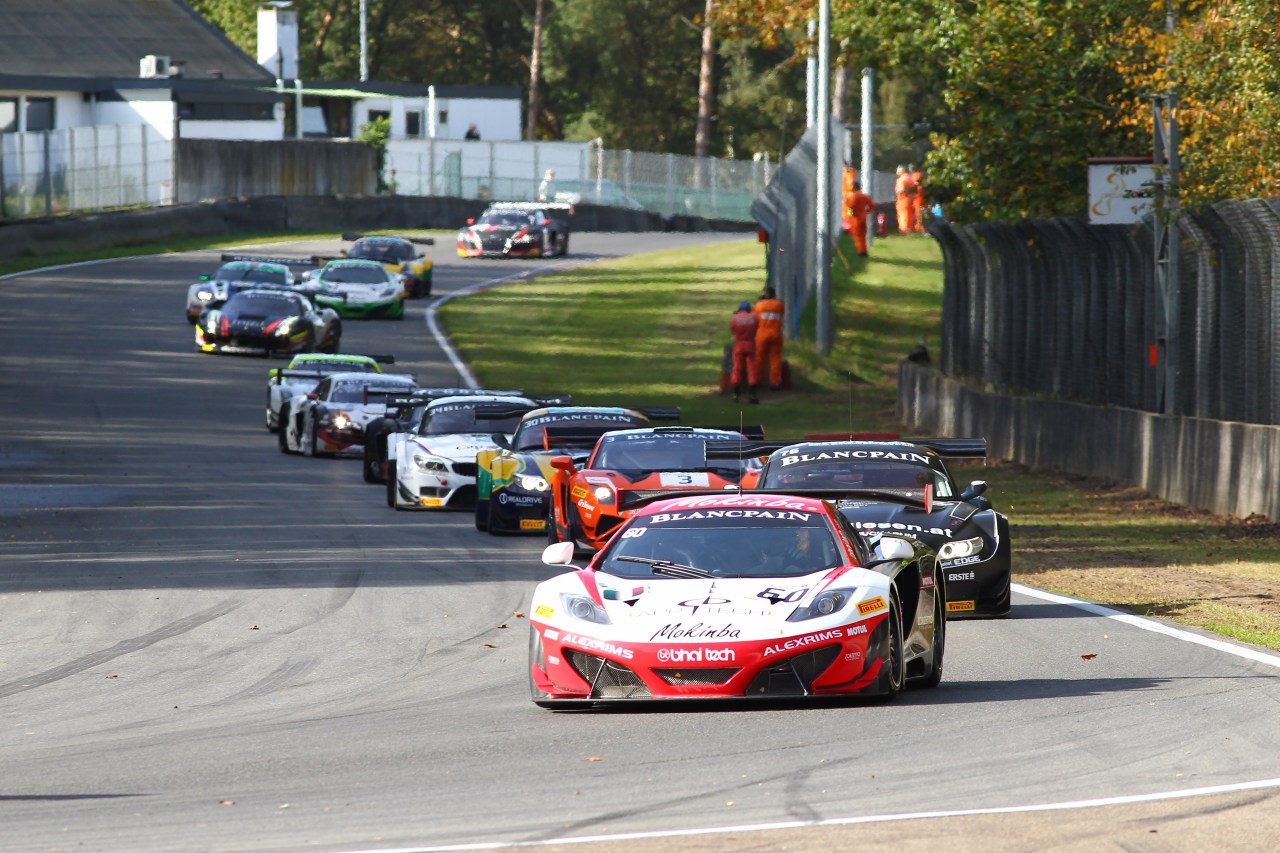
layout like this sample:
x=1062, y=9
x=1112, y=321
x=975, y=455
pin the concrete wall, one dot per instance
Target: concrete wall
x=208, y=169
x=276, y=214
x=1222, y=466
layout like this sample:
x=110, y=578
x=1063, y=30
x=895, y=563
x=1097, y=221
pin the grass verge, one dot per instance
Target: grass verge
x=651, y=330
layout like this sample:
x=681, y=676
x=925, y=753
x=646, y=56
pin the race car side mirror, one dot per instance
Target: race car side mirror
x=313, y=396
x=974, y=489
x=204, y=278
x=562, y=463
x=500, y=439
x=559, y=554
x=892, y=550
x=343, y=252
x=471, y=221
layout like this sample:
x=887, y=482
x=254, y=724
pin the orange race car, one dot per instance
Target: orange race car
x=586, y=502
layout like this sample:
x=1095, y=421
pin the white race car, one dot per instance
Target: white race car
x=330, y=420
x=305, y=372
x=435, y=467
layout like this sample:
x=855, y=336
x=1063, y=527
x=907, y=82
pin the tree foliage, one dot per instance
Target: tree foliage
x=1015, y=94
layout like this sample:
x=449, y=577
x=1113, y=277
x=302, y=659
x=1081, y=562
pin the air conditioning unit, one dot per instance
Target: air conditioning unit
x=151, y=66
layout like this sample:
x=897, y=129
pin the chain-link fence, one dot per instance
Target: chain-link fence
x=668, y=184
x=1067, y=309
x=84, y=168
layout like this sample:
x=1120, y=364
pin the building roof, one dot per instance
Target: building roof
x=88, y=39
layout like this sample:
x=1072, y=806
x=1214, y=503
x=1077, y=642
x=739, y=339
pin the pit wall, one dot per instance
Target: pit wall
x=1225, y=467
x=276, y=214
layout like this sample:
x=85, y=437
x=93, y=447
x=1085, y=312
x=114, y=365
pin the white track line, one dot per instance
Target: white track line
x=1246, y=652
x=442, y=338
x=845, y=821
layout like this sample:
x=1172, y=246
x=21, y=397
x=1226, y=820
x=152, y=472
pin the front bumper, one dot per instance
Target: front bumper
x=453, y=489
x=519, y=511
x=847, y=660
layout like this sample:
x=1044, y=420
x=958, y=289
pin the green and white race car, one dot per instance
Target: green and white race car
x=359, y=289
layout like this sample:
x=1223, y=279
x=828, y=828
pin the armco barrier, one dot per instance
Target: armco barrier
x=1222, y=466
x=298, y=213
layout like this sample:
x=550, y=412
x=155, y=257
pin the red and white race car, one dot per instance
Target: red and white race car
x=737, y=595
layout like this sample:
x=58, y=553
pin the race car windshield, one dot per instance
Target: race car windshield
x=355, y=275
x=736, y=542
x=257, y=275
x=263, y=305
x=902, y=477
x=395, y=253
x=507, y=220
x=448, y=420
x=628, y=453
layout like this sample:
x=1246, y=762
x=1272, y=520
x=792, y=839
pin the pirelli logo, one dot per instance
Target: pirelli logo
x=532, y=524
x=959, y=606
x=871, y=606
x=578, y=492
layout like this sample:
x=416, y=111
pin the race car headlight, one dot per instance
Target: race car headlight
x=204, y=295
x=603, y=494
x=285, y=327
x=533, y=484
x=430, y=464
x=826, y=604
x=581, y=607
x=340, y=421
x=960, y=548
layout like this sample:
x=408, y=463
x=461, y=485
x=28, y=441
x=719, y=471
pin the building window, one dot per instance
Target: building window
x=444, y=117
x=8, y=115
x=413, y=124
x=39, y=113
x=375, y=115
x=226, y=112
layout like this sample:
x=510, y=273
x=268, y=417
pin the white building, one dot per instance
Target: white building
x=126, y=62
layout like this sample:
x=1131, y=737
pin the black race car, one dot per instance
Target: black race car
x=903, y=488
x=517, y=230
x=264, y=322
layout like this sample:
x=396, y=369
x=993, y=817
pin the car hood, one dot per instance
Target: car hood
x=456, y=448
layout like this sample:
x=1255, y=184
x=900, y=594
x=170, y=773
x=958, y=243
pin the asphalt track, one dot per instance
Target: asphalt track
x=208, y=645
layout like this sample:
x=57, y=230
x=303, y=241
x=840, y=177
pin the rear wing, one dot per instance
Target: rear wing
x=379, y=395
x=278, y=375
x=753, y=432
x=417, y=241
x=255, y=259
x=423, y=396
x=659, y=413
x=951, y=448
x=641, y=497
x=560, y=206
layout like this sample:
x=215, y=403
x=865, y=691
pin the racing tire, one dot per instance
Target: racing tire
x=482, y=519
x=370, y=471
x=282, y=434
x=934, y=678
x=392, y=485
x=272, y=426
x=564, y=250
x=896, y=670
x=310, y=444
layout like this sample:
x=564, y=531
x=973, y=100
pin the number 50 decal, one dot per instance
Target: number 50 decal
x=778, y=595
